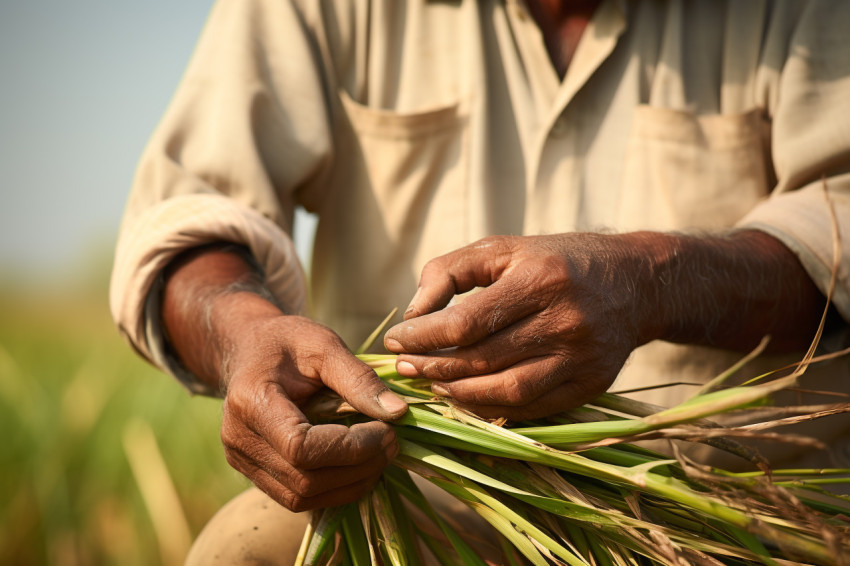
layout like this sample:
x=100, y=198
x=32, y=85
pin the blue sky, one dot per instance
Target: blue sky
x=82, y=86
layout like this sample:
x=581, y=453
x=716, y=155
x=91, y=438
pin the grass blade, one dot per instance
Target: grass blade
x=355, y=536
x=324, y=537
x=375, y=333
x=401, y=481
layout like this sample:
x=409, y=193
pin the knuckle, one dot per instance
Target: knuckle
x=232, y=431
x=434, y=268
x=293, y=446
x=233, y=403
x=555, y=267
x=444, y=368
x=461, y=325
x=493, y=242
x=568, y=369
x=241, y=404
x=519, y=392
x=312, y=360
x=523, y=389
x=480, y=366
x=576, y=325
x=554, y=279
x=365, y=380
x=303, y=485
x=229, y=438
x=247, y=408
x=486, y=395
x=295, y=503
x=433, y=369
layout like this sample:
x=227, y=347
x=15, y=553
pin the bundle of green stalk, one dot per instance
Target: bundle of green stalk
x=570, y=490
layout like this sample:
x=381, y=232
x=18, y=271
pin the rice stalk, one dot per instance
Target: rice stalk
x=576, y=493
x=358, y=547
x=402, y=482
x=322, y=539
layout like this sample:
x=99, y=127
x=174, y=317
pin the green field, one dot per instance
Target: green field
x=76, y=408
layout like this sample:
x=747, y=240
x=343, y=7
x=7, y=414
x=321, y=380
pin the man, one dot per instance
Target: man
x=417, y=128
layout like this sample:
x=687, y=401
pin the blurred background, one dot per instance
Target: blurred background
x=103, y=460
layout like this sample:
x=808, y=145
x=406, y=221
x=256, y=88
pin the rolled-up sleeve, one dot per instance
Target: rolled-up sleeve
x=246, y=131
x=811, y=149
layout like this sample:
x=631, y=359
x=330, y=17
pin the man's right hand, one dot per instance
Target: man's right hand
x=270, y=364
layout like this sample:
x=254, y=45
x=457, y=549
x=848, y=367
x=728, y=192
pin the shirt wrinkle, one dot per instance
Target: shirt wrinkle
x=415, y=127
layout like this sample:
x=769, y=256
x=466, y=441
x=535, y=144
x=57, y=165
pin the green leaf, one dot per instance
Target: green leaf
x=393, y=542
x=401, y=481
x=355, y=536
x=322, y=542
x=375, y=333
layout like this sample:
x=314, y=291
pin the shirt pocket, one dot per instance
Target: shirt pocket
x=399, y=197
x=685, y=171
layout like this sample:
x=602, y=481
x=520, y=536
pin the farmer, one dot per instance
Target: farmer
x=650, y=179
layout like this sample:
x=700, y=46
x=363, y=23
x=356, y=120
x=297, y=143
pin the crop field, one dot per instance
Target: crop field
x=103, y=459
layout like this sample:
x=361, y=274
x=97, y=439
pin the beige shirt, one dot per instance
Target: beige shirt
x=415, y=127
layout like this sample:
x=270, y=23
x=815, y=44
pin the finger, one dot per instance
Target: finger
x=477, y=317
x=512, y=387
x=275, y=418
x=520, y=341
x=297, y=503
x=476, y=265
x=358, y=384
x=338, y=445
x=568, y=395
x=320, y=356
x=257, y=454
x=333, y=444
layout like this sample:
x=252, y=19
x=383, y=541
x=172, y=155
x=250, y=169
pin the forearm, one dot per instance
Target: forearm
x=211, y=294
x=728, y=291
x=225, y=328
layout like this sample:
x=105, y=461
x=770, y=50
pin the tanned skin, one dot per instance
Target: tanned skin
x=562, y=23
x=558, y=318
x=267, y=364
x=560, y=314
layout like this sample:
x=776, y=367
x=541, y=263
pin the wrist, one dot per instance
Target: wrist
x=726, y=290
x=208, y=296
x=654, y=259
x=236, y=322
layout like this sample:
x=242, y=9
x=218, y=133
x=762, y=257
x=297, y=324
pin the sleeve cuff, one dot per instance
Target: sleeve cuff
x=159, y=234
x=801, y=221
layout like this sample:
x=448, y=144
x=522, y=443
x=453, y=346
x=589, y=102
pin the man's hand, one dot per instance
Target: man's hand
x=559, y=315
x=269, y=365
x=551, y=328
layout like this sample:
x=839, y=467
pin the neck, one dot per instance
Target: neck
x=562, y=23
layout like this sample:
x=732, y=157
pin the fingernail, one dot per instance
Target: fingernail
x=413, y=301
x=391, y=403
x=438, y=389
x=392, y=345
x=406, y=369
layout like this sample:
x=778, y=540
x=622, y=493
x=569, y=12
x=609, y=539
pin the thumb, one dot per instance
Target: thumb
x=361, y=387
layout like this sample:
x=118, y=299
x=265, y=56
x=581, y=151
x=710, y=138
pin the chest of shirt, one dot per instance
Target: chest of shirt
x=650, y=128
